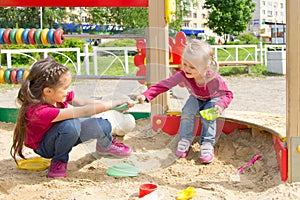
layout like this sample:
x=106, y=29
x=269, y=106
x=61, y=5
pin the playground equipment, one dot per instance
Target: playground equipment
x=157, y=41
x=31, y=36
x=13, y=75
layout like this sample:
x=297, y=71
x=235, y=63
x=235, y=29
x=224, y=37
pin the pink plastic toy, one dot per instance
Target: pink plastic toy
x=252, y=161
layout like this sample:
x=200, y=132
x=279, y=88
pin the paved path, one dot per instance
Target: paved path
x=267, y=95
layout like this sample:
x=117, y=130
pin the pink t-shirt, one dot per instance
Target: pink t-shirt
x=39, y=120
x=216, y=88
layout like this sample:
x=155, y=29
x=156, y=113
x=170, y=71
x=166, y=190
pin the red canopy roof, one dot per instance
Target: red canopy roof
x=74, y=3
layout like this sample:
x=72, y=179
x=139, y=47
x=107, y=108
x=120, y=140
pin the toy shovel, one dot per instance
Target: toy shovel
x=252, y=161
x=209, y=114
x=124, y=106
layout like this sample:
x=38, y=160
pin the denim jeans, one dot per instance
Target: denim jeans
x=58, y=142
x=192, y=107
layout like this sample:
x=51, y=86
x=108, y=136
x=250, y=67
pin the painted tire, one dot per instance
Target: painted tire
x=19, y=36
x=7, y=76
x=50, y=36
x=37, y=36
x=31, y=36
x=44, y=34
x=13, y=76
x=12, y=36
x=25, y=74
x=20, y=75
x=58, y=37
x=25, y=36
x=2, y=70
x=1, y=35
x=6, y=36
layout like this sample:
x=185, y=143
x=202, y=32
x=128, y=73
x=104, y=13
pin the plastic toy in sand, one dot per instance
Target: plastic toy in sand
x=186, y=194
x=122, y=170
x=209, y=114
x=252, y=161
x=35, y=164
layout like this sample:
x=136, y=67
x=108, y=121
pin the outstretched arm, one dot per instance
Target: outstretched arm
x=88, y=108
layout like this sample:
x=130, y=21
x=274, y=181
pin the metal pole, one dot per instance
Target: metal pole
x=41, y=17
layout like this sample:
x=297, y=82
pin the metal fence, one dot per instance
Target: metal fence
x=228, y=52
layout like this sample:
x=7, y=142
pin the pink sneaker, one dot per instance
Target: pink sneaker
x=206, y=153
x=183, y=148
x=116, y=149
x=57, y=170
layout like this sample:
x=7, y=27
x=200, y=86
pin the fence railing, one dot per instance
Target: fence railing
x=222, y=53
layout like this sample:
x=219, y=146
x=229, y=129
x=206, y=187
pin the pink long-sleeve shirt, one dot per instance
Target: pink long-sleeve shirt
x=216, y=88
x=39, y=120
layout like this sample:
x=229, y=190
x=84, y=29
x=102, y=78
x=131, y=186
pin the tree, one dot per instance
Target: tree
x=137, y=18
x=29, y=17
x=229, y=17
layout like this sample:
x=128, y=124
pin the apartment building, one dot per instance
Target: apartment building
x=269, y=21
x=193, y=22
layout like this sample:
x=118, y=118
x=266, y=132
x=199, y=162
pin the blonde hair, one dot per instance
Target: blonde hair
x=200, y=54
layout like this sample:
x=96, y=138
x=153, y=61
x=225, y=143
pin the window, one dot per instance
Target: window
x=186, y=24
x=270, y=14
x=194, y=15
x=195, y=25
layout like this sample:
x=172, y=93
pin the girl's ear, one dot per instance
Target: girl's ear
x=47, y=91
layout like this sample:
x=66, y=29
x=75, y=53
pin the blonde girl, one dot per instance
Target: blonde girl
x=207, y=90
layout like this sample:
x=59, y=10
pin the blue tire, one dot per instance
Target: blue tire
x=25, y=36
x=50, y=36
x=20, y=75
x=1, y=35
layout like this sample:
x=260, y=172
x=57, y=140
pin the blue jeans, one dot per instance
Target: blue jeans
x=192, y=107
x=58, y=142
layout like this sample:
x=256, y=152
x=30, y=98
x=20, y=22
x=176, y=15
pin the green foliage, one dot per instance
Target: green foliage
x=230, y=16
x=129, y=18
x=28, y=17
x=119, y=43
x=248, y=38
x=258, y=70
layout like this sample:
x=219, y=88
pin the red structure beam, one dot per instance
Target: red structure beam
x=74, y=3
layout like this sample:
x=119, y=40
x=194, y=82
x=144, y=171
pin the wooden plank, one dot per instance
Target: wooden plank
x=157, y=52
x=293, y=82
x=74, y=3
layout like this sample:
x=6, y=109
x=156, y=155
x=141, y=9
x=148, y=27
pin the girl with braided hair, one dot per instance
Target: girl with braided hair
x=207, y=90
x=51, y=120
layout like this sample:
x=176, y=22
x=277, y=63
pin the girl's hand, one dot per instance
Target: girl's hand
x=141, y=98
x=218, y=109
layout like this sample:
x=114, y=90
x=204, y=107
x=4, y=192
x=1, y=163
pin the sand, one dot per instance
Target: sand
x=154, y=154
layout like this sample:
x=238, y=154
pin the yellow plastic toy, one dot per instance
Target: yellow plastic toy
x=170, y=8
x=35, y=164
x=186, y=194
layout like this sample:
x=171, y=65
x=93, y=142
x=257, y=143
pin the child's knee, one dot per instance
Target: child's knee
x=72, y=127
x=105, y=126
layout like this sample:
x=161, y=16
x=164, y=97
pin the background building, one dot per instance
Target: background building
x=269, y=21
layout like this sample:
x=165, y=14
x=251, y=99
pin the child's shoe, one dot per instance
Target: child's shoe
x=206, y=153
x=116, y=149
x=183, y=148
x=57, y=170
